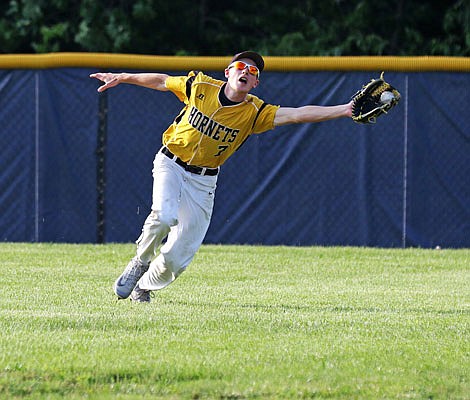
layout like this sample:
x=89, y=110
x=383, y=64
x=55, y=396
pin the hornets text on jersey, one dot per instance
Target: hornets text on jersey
x=210, y=127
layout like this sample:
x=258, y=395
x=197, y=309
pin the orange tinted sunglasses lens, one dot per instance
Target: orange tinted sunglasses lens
x=241, y=66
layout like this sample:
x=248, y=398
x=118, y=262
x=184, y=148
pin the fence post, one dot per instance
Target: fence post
x=101, y=167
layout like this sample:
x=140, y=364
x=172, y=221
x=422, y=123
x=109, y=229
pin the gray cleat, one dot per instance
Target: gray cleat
x=125, y=284
x=140, y=295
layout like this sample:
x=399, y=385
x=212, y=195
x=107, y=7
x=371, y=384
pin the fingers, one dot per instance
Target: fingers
x=109, y=80
x=99, y=75
x=102, y=88
x=108, y=84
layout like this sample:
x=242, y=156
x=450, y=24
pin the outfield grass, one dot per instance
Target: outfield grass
x=242, y=322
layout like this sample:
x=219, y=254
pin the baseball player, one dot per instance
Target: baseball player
x=217, y=117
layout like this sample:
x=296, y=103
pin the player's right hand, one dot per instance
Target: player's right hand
x=110, y=80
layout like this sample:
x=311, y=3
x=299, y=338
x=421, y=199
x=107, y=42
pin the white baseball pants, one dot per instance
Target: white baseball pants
x=182, y=204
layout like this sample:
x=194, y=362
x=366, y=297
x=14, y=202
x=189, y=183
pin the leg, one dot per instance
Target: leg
x=166, y=195
x=165, y=202
x=185, y=238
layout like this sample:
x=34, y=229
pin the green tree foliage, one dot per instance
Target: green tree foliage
x=210, y=27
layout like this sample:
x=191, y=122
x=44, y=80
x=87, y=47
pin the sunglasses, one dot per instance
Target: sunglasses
x=240, y=65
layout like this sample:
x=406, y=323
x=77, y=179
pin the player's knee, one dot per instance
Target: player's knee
x=176, y=261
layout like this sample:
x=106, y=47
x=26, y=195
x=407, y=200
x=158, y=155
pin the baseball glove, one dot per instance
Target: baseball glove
x=374, y=99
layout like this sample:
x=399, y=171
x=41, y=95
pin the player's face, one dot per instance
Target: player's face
x=242, y=75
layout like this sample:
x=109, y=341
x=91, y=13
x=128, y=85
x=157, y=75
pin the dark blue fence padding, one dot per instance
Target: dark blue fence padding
x=136, y=119
x=48, y=160
x=17, y=155
x=67, y=156
x=404, y=181
x=439, y=160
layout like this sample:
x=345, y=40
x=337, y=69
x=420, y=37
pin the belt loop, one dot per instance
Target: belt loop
x=203, y=172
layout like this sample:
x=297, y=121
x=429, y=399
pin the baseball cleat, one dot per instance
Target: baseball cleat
x=140, y=295
x=125, y=284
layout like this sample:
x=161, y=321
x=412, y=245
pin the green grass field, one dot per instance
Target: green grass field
x=243, y=322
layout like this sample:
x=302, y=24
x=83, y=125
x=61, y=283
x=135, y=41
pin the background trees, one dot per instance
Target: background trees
x=210, y=27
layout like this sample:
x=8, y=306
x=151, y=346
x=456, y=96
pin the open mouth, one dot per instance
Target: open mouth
x=243, y=80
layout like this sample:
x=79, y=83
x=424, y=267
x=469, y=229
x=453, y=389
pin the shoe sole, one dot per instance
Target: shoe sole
x=139, y=301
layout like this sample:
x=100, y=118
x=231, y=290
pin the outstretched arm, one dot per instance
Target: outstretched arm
x=299, y=115
x=150, y=80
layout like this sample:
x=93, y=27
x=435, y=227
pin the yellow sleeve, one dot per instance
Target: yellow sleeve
x=265, y=120
x=178, y=85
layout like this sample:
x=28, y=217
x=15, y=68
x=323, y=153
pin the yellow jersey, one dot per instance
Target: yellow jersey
x=208, y=130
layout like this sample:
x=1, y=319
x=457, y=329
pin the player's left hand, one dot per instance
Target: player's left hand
x=374, y=99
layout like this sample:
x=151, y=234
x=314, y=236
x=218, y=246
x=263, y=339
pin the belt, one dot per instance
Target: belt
x=190, y=168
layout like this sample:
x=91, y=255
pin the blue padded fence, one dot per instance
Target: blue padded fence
x=402, y=182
